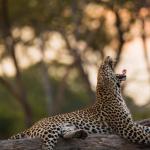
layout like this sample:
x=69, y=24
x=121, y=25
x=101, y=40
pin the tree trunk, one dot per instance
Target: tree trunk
x=19, y=92
x=93, y=142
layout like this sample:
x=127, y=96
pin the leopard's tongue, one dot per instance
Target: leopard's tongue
x=123, y=76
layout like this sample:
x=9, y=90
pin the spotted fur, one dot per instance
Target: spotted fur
x=108, y=115
x=114, y=109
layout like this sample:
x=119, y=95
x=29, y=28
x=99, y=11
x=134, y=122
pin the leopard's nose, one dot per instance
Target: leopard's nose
x=108, y=60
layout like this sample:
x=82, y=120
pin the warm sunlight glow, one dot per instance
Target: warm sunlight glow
x=7, y=68
x=137, y=75
x=94, y=11
x=27, y=33
x=132, y=57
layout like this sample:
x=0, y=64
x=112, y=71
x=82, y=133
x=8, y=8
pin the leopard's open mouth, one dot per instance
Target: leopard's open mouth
x=122, y=76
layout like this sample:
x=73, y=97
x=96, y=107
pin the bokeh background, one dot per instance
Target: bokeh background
x=50, y=51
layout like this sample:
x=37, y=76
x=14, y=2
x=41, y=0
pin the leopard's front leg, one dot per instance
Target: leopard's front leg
x=50, y=138
x=70, y=131
x=65, y=130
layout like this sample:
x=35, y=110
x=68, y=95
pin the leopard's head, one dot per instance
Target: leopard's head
x=107, y=78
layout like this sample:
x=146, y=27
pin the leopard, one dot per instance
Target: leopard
x=114, y=108
x=108, y=115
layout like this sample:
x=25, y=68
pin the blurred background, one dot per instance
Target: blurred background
x=50, y=51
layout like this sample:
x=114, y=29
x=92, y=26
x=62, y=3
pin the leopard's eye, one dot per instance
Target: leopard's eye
x=111, y=64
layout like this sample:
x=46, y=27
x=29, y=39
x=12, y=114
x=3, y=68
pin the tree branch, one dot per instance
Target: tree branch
x=93, y=142
x=58, y=102
x=10, y=46
x=45, y=78
x=78, y=62
x=145, y=48
x=120, y=37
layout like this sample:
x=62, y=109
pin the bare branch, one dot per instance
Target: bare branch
x=92, y=142
x=145, y=48
x=45, y=79
x=78, y=62
x=120, y=37
x=58, y=102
